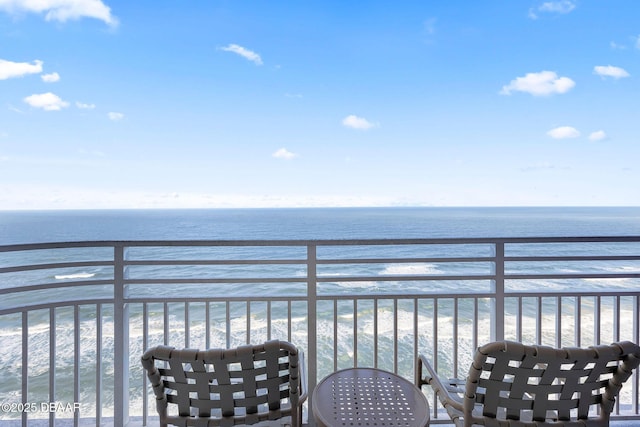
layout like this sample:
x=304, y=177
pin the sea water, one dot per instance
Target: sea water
x=316, y=223
x=287, y=224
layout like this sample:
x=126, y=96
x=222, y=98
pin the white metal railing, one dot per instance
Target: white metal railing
x=76, y=317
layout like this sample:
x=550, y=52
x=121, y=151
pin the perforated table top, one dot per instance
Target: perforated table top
x=368, y=397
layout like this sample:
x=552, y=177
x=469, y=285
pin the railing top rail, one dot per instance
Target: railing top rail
x=318, y=242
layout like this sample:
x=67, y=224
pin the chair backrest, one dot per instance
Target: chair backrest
x=546, y=386
x=244, y=385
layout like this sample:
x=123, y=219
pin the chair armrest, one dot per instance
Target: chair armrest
x=303, y=377
x=431, y=378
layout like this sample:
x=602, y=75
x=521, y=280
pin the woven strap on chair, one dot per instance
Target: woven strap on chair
x=542, y=383
x=224, y=387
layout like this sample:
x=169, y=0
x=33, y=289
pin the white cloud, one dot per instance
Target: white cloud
x=598, y=136
x=543, y=166
x=62, y=10
x=115, y=116
x=637, y=40
x=84, y=106
x=245, y=53
x=430, y=26
x=564, y=6
x=50, y=78
x=14, y=109
x=283, y=153
x=539, y=84
x=555, y=7
x=610, y=71
x=617, y=46
x=564, y=132
x=50, y=196
x=429, y=30
x=9, y=69
x=356, y=122
x=47, y=101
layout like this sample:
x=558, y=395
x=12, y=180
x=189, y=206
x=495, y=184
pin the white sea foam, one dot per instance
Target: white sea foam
x=621, y=269
x=74, y=276
x=410, y=269
x=359, y=285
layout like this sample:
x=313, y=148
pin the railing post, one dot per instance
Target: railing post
x=25, y=363
x=312, y=324
x=498, y=306
x=636, y=337
x=121, y=340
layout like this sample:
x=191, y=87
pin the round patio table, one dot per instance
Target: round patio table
x=368, y=397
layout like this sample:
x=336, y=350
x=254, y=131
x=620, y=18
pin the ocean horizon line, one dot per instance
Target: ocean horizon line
x=311, y=207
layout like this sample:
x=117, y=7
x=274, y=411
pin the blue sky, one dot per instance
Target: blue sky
x=162, y=104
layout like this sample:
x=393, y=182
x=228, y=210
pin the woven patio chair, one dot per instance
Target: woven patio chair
x=226, y=387
x=515, y=385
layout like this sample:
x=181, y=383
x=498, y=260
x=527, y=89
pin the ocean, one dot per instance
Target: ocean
x=317, y=223
x=270, y=224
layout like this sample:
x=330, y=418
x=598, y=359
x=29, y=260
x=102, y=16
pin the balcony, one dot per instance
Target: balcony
x=76, y=317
